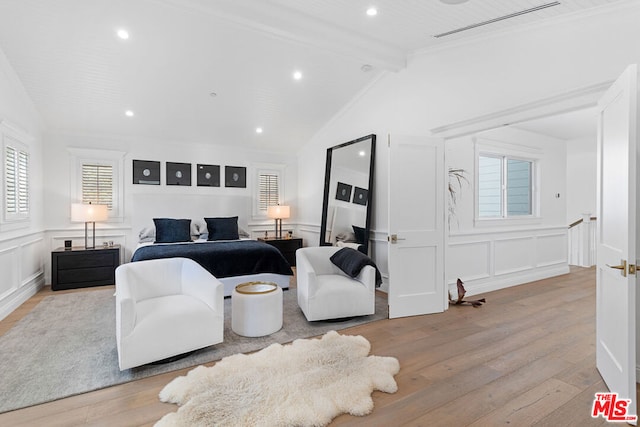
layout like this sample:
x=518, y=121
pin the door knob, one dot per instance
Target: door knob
x=394, y=238
x=622, y=267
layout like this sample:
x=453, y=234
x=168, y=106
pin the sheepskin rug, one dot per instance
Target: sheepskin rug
x=305, y=383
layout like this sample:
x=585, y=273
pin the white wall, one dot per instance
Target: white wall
x=465, y=81
x=487, y=254
x=581, y=177
x=143, y=202
x=22, y=248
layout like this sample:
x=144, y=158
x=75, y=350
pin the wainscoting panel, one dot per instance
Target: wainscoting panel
x=476, y=256
x=552, y=249
x=9, y=267
x=22, y=267
x=513, y=255
x=31, y=260
x=490, y=260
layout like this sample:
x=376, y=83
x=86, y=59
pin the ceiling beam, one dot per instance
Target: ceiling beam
x=295, y=27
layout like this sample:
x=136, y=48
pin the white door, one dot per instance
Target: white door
x=416, y=226
x=616, y=231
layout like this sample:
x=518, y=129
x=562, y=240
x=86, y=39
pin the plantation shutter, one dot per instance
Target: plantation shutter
x=16, y=181
x=97, y=184
x=269, y=192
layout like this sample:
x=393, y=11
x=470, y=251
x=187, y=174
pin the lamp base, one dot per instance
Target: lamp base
x=86, y=242
x=278, y=230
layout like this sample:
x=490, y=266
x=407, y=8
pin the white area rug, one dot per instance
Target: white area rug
x=306, y=383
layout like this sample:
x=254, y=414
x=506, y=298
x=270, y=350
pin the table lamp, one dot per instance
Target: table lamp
x=278, y=212
x=89, y=213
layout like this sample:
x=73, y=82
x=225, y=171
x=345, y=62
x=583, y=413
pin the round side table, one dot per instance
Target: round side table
x=256, y=309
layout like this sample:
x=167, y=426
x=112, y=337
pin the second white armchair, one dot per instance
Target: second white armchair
x=326, y=292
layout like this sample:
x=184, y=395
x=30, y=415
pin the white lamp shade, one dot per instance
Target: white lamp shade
x=278, y=211
x=89, y=213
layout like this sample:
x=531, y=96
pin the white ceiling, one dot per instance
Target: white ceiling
x=82, y=78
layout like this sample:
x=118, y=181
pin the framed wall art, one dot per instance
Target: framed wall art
x=178, y=173
x=146, y=172
x=360, y=196
x=235, y=176
x=208, y=175
x=344, y=192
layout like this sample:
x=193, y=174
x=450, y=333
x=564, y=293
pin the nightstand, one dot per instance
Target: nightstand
x=80, y=268
x=287, y=247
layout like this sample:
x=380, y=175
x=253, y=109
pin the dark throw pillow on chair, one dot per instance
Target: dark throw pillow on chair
x=352, y=262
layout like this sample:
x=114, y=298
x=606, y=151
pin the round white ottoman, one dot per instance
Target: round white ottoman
x=256, y=309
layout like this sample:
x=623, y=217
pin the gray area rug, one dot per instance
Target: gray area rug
x=66, y=345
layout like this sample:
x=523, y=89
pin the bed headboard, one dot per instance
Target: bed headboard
x=192, y=206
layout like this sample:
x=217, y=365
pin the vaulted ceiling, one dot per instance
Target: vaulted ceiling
x=216, y=70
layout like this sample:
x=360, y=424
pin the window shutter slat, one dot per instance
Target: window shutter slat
x=97, y=184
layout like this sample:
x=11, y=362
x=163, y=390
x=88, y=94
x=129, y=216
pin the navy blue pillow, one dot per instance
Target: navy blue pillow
x=169, y=230
x=352, y=262
x=360, y=234
x=222, y=228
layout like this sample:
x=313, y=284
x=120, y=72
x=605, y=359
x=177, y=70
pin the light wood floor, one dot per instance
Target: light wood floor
x=527, y=357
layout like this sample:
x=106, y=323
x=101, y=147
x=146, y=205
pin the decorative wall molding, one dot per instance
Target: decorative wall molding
x=487, y=261
x=22, y=266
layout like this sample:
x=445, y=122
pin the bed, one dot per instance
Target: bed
x=231, y=259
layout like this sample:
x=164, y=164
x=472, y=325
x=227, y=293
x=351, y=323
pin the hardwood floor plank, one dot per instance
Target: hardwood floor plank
x=531, y=406
x=576, y=412
x=469, y=407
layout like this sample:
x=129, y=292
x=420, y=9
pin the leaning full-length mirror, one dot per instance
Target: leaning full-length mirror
x=348, y=193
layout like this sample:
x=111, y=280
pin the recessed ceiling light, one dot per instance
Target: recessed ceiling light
x=372, y=11
x=366, y=68
x=258, y=130
x=297, y=75
x=123, y=34
x=129, y=113
x=362, y=153
x=213, y=94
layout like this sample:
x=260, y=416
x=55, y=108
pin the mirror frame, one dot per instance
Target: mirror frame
x=327, y=183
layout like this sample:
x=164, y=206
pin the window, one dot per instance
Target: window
x=268, y=187
x=97, y=184
x=16, y=175
x=98, y=179
x=268, y=190
x=16, y=181
x=505, y=186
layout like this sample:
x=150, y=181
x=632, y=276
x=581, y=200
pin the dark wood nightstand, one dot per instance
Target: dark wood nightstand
x=81, y=268
x=287, y=247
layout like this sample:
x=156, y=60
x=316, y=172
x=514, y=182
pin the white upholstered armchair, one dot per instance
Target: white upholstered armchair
x=165, y=307
x=326, y=292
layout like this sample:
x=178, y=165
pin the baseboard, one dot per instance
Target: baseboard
x=21, y=295
x=475, y=287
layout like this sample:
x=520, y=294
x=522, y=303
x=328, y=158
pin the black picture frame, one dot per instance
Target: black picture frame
x=360, y=196
x=343, y=192
x=146, y=172
x=235, y=176
x=178, y=173
x=208, y=175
